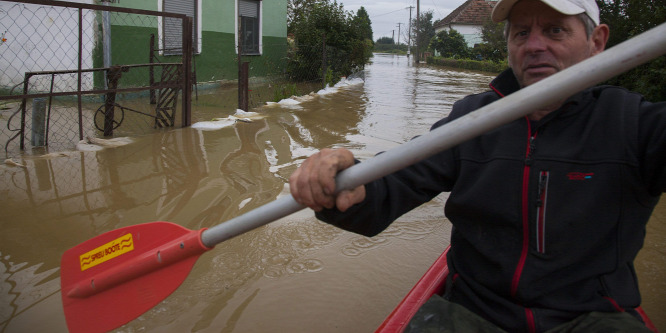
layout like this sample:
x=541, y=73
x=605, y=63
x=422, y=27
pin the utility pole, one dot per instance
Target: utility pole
x=399, y=33
x=417, y=58
x=409, y=35
x=393, y=35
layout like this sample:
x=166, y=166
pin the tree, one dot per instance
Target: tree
x=627, y=18
x=385, y=40
x=425, y=29
x=320, y=22
x=450, y=44
x=493, y=47
x=363, y=23
x=362, y=30
x=297, y=9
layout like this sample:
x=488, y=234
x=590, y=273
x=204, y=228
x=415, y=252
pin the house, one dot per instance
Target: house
x=468, y=19
x=29, y=31
x=263, y=27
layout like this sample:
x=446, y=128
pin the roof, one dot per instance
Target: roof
x=472, y=12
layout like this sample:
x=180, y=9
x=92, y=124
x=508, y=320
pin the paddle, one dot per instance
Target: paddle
x=115, y=277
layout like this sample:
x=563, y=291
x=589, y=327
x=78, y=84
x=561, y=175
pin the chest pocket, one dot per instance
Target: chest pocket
x=584, y=171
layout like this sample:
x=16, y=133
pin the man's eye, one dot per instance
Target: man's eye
x=556, y=30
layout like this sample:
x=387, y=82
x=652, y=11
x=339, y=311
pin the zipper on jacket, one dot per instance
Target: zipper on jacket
x=542, y=199
x=531, y=147
x=529, y=318
x=530, y=150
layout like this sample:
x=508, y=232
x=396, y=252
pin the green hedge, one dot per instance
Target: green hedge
x=475, y=65
x=390, y=48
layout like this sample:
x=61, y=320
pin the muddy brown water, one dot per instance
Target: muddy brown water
x=295, y=274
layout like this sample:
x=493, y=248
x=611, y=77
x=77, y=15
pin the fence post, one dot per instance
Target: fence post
x=112, y=78
x=24, y=104
x=78, y=76
x=242, y=94
x=38, y=122
x=324, y=64
x=243, y=87
x=106, y=40
x=151, y=70
x=187, y=72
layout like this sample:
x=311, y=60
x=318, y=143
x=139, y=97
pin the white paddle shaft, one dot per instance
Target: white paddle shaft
x=557, y=87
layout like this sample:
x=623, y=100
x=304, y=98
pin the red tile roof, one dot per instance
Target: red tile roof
x=472, y=12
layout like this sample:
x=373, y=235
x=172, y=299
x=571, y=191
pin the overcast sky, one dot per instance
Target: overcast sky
x=385, y=15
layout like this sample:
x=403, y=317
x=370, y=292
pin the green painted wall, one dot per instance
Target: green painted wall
x=217, y=61
x=275, y=18
x=218, y=16
x=131, y=45
x=130, y=40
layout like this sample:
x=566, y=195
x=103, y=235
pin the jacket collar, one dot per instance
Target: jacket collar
x=505, y=83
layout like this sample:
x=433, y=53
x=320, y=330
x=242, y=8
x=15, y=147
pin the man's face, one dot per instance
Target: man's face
x=542, y=41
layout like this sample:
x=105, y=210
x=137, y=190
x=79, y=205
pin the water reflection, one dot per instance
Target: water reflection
x=23, y=287
x=183, y=160
x=243, y=177
x=404, y=101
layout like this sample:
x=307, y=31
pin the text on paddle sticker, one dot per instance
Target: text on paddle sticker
x=107, y=251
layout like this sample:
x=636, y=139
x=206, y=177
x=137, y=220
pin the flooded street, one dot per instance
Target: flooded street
x=296, y=274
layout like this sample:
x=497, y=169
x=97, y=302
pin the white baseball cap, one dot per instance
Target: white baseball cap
x=566, y=7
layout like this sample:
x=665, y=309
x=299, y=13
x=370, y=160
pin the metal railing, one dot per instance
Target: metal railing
x=53, y=56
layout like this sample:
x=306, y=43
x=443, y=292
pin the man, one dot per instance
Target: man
x=548, y=212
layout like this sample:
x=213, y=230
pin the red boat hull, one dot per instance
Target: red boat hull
x=433, y=282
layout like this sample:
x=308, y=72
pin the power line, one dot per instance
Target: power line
x=397, y=10
x=437, y=8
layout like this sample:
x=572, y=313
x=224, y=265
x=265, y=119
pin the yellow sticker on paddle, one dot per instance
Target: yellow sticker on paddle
x=106, y=252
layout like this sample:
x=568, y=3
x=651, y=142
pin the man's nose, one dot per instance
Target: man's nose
x=536, y=42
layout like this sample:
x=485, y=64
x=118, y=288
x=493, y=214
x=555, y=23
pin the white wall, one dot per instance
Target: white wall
x=472, y=33
x=44, y=38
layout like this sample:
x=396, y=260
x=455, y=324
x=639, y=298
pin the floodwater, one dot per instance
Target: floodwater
x=295, y=274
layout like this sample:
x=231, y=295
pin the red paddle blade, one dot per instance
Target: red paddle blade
x=115, y=277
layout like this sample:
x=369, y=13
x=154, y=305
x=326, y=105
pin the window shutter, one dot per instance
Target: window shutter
x=249, y=8
x=173, y=28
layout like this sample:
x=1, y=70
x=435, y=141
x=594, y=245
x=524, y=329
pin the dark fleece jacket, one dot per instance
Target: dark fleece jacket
x=548, y=216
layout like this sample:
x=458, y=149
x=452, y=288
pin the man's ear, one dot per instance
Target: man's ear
x=599, y=38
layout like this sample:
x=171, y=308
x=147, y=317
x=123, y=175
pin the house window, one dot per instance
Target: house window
x=172, y=28
x=250, y=26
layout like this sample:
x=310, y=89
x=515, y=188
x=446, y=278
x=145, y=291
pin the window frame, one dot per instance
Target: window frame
x=258, y=49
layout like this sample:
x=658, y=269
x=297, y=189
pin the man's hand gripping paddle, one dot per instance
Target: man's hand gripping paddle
x=113, y=278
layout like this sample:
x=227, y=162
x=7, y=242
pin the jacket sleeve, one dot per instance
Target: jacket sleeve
x=652, y=143
x=394, y=195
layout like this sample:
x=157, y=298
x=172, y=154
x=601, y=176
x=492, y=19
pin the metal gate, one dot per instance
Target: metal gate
x=57, y=84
